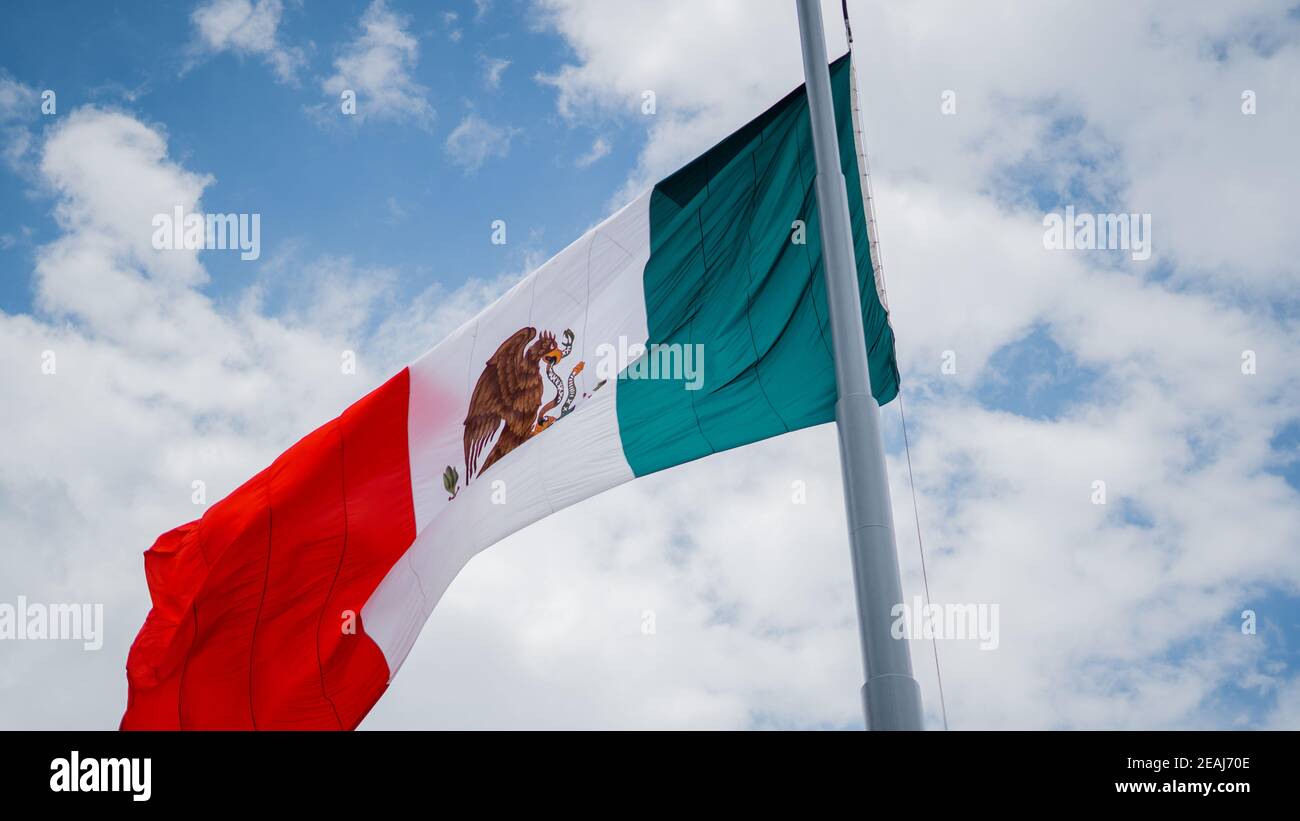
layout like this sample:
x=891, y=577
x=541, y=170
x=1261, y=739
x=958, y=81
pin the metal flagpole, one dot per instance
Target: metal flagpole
x=891, y=697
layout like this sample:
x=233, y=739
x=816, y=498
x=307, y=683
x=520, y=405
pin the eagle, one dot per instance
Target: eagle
x=508, y=390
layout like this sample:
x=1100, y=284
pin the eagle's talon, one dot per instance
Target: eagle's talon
x=542, y=424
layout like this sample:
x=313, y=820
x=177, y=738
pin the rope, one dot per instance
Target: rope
x=864, y=174
x=920, y=546
x=878, y=271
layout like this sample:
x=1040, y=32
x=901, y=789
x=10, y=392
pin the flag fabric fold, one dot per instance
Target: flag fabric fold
x=690, y=322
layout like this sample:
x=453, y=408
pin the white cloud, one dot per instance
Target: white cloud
x=17, y=101
x=1005, y=111
x=378, y=65
x=112, y=175
x=246, y=28
x=449, y=19
x=155, y=386
x=19, y=106
x=475, y=140
x=396, y=212
x=493, y=68
x=600, y=147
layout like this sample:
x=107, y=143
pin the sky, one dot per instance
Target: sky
x=1030, y=373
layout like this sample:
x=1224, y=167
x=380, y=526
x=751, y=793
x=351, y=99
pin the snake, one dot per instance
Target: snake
x=554, y=378
x=573, y=391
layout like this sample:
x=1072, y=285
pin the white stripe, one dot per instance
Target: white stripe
x=594, y=287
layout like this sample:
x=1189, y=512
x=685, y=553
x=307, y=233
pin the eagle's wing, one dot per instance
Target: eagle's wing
x=492, y=397
x=486, y=413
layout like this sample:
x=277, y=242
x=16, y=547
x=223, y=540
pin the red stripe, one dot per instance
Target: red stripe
x=251, y=602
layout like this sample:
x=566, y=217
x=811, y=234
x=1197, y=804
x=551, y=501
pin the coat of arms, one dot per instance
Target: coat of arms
x=508, y=398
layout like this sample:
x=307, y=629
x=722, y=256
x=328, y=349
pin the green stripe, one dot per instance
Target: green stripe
x=723, y=273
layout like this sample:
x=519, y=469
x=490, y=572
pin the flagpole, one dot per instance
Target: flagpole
x=891, y=698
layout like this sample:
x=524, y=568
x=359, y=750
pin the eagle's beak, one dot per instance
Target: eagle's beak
x=553, y=356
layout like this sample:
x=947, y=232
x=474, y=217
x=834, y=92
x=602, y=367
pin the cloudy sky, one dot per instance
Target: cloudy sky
x=1065, y=368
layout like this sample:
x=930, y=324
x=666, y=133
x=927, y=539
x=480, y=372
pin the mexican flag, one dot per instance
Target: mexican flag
x=692, y=321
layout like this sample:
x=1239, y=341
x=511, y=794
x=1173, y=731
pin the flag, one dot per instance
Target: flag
x=692, y=321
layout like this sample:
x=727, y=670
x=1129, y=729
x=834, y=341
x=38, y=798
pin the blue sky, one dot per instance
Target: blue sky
x=381, y=192
x=1071, y=366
